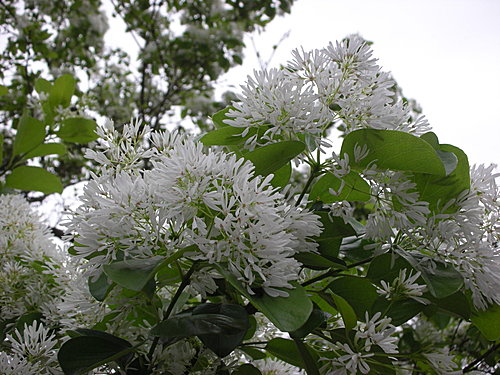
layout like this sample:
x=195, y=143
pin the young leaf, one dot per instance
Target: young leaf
x=78, y=130
x=271, y=158
x=30, y=134
x=355, y=188
x=4, y=90
x=62, y=91
x=394, y=150
x=34, y=178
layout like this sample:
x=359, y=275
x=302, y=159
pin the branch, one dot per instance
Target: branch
x=474, y=363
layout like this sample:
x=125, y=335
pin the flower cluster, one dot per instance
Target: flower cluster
x=211, y=200
x=338, y=84
x=353, y=357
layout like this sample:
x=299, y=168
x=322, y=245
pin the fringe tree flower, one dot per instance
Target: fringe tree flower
x=191, y=197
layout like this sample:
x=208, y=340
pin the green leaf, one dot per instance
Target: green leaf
x=4, y=90
x=399, y=311
x=439, y=190
x=359, y=292
x=334, y=229
x=226, y=321
x=355, y=188
x=316, y=319
x=46, y=149
x=27, y=320
x=456, y=305
x=386, y=267
x=346, y=311
x=449, y=159
x=286, y=313
x=223, y=137
x=252, y=327
x=256, y=354
x=247, y=369
x=223, y=344
x=30, y=133
x=78, y=130
x=442, y=280
x=393, y=150
x=316, y=261
x=132, y=274
x=432, y=139
x=271, y=158
x=34, y=178
x=287, y=351
x=81, y=354
x=1, y=149
x=99, y=287
x=62, y=91
x=219, y=117
x=42, y=85
x=282, y=176
x=488, y=322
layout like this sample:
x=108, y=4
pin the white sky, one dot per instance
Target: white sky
x=443, y=53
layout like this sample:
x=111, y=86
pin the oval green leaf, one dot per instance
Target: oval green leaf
x=34, y=178
x=355, y=188
x=286, y=313
x=271, y=158
x=46, y=149
x=393, y=150
x=78, y=130
x=30, y=134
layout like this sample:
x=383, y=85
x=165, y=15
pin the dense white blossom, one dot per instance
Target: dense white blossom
x=317, y=88
x=191, y=197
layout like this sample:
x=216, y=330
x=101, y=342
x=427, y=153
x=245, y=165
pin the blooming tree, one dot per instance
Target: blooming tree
x=261, y=247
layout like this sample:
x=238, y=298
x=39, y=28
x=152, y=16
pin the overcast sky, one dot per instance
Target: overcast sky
x=443, y=53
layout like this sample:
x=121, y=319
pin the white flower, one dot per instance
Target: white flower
x=270, y=366
x=402, y=287
x=15, y=365
x=347, y=364
x=36, y=345
x=376, y=331
x=442, y=362
x=191, y=197
x=28, y=258
x=278, y=104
